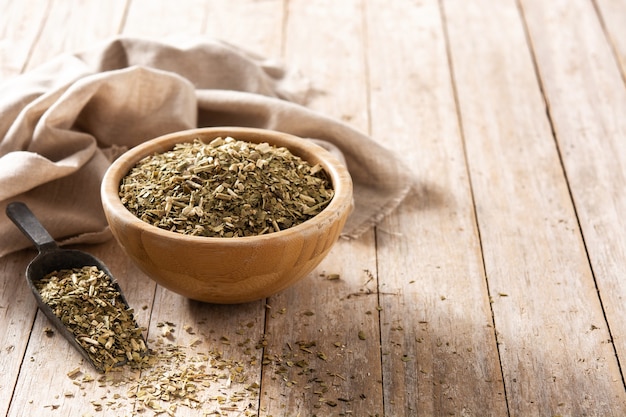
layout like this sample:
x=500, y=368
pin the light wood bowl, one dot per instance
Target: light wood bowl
x=228, y=270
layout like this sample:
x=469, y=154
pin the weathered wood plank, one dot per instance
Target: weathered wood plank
x=439, y=347
x=323, y=348
x=89, y=22
x=587, y=103
x=254, y=25
x=20, y=26
x=17, y=309
x=551, y=330
x=613, y=15
x=159, y=19
x=330, y=52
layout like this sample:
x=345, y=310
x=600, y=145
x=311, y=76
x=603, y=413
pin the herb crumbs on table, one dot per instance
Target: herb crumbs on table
x=176, y=377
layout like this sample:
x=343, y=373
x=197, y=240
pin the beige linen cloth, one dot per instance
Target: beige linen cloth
x=63, y=123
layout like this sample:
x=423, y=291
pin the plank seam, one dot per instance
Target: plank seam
x=154, y=295
x=368, y=106
x=442, y=14
x=609, y=40
x=124, y=18
x=19, y=370
x=37, y=37
x=540, y=83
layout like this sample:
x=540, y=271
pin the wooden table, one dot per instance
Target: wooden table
x=497, y=287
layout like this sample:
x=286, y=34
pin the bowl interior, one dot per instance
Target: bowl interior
x=307, y=150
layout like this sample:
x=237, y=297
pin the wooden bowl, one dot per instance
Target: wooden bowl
x=228, y=270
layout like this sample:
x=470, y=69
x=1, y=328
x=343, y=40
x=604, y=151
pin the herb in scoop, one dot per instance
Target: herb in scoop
x=91, y=307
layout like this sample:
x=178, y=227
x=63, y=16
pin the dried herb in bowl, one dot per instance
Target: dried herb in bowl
x=225, y=188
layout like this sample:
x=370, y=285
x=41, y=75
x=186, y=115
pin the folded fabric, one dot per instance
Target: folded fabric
x=62, y=124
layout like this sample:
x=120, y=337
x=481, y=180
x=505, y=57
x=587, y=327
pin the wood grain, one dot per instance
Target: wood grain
x=20, y=27
x=587, y=103
x=84, y=24
x=17, y=309
x=436, y=325
x=612, y=14
x=550, y=324
x=233, y=23
x=331, y=56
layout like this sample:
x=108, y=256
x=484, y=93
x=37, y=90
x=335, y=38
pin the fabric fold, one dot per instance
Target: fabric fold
x=62, y=124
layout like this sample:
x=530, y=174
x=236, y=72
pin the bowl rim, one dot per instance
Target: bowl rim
x=337, y=171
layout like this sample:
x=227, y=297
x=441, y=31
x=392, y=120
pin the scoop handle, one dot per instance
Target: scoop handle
x=26, y=221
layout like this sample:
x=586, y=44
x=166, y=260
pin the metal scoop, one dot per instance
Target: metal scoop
x=50, y=259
